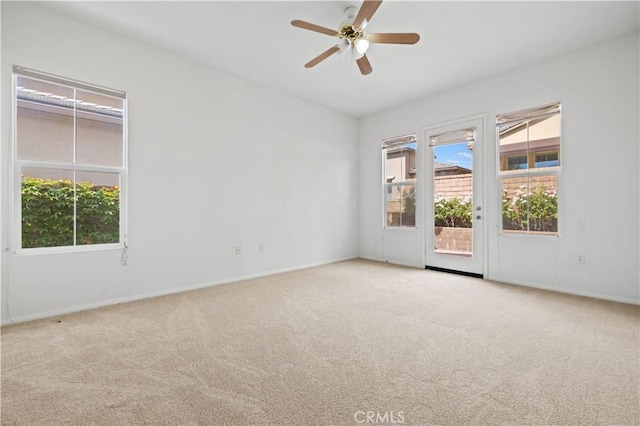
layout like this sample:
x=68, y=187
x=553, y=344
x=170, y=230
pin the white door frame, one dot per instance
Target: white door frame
x=476, y=265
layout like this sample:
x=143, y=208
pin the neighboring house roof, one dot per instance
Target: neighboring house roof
x=441, y=167
x=62, y=101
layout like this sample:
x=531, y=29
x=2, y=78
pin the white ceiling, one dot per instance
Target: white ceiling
x=460, y=41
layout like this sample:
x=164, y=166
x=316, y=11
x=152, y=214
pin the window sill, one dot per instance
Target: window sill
x=67, y=250
x=525, y=235
x=401, y=228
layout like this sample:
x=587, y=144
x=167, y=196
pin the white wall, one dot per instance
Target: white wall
x=599, y=90
x=191, y=128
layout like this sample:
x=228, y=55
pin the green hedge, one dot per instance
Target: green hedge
x=48, y=210
x=452, y=213
x=537, y=212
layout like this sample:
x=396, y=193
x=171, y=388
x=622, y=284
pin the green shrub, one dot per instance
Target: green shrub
x=48, y=213
x=453, y=212
x=409, y=203
x=537, y=212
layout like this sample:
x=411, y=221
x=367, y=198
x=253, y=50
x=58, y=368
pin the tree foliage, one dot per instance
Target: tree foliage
x=48, y=213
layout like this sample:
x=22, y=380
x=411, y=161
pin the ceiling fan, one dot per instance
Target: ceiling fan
x=354, y=40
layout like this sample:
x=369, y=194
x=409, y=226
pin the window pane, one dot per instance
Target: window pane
x=98, y=208
x=513, y=145
x=401, y=205
x=99, y=129
x=453, y=199
x=400, y=164
x=514, y=205
x=44, y=116
x=521, y=144
x=47, y=207
x=530, y=204
x=544, y=141
x=543, y=204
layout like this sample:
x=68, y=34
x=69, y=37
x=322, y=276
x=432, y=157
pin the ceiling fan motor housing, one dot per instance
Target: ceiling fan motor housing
x=351, y=33
x=347, y=29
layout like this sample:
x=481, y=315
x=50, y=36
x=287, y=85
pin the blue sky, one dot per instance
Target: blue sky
x=454, y=154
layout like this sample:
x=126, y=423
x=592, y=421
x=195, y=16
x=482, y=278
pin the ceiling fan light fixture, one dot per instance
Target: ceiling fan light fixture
x=353, y=40
x=347, y=50
x=344, y=44
x=353, y=49
x=361, y=46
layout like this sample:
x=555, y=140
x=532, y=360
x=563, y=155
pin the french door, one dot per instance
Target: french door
x=454, y=214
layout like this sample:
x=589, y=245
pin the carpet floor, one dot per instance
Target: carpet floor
x=355, y=342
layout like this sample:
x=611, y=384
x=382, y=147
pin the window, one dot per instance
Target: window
x=69, y=163
x=529, y=148
x=547, y=159
x=517, y=162
x=400, y=181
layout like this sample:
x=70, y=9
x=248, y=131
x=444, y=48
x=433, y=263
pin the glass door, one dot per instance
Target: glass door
x=454, y=231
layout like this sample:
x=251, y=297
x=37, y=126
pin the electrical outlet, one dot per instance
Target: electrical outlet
x=581, y=259
x=238, y=250
x=261, y=248
x=581, y=225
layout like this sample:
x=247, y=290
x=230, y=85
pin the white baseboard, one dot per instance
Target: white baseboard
x=110, y=302
x=64, y=311
x=392, y=262
x=573, y=292
x=593, y=295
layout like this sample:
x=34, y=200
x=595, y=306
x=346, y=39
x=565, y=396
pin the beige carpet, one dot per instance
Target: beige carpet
x=325, y=346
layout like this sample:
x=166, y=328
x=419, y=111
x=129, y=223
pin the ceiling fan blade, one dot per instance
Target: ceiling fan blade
x=364, y=65
x=313, y=27
x=321, y=57
x=394, y=38
x=366, y=12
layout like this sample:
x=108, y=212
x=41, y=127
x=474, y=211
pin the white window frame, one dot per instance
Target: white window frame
x=387, y=186
x=17, y=165
x=522, y=117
